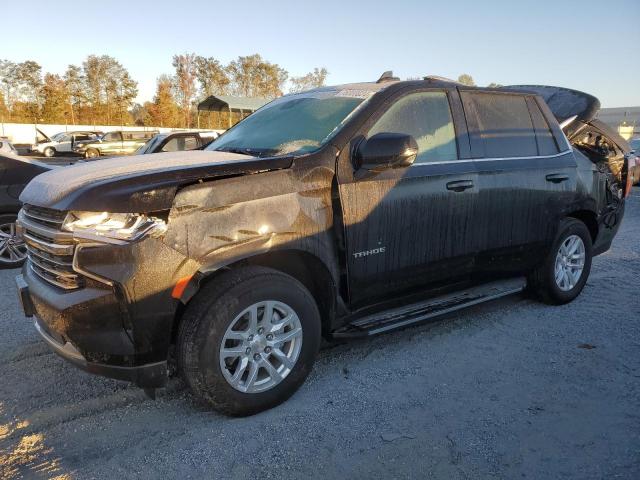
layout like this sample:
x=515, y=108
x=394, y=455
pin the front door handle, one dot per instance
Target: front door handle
x=459, y=185
x=557, y=177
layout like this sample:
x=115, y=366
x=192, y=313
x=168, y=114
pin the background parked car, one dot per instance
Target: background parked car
x=15, y=173
x=114, y=143
x=62, y=142
x=176, y=142
x=6, y=146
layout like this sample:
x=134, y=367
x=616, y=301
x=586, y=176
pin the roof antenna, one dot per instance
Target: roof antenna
x=387, y=77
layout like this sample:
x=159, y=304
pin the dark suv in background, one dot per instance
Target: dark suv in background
x=339, y=212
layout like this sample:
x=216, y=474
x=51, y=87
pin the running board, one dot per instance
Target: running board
x=410, y=314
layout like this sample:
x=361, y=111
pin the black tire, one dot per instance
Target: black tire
x=49, y=152
x=543, y=280
x=206, y=320
x=91, y=153
x=5, y=260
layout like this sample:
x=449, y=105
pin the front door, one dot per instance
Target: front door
x=409, y=227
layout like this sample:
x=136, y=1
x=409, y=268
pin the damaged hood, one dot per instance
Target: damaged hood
x=572, y=107
x=140, y=184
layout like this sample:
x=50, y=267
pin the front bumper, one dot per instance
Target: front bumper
x=59, y=319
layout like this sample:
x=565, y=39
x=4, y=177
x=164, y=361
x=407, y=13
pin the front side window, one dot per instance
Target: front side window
x=293, y=124
x=178, y=144
x=426, y=116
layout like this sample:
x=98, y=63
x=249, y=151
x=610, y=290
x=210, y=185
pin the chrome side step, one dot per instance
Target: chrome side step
x=408, y=315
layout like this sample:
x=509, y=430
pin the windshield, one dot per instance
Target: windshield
x=297, y=124
x=151, y=144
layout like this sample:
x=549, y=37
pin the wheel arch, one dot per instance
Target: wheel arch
x=590, y=219
x=307, y=268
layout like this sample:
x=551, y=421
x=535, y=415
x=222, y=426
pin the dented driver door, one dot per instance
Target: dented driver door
x=409, y=227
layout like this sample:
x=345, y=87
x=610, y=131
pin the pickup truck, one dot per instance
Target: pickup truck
x=336, y=213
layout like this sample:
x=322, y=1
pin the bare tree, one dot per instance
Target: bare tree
x=185, y=82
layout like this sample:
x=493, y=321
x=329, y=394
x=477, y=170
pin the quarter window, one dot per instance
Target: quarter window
x=427, y=117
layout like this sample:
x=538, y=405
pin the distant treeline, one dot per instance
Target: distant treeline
x=101, y=91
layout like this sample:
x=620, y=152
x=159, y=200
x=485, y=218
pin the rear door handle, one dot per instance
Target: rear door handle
x=459, y=185
x=557, y=177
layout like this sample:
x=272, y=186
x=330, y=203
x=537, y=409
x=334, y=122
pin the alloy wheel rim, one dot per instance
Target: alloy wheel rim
x=570, y=261
x=261, y=346
x=12, y=248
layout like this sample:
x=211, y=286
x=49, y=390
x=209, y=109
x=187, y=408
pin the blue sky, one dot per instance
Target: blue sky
x=587, y=45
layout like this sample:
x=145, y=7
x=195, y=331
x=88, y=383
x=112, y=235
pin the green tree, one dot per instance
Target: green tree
x=75, y=86
x=466, y=79
x=9, y=81
x=4, y=111
x=164, y=110
x=108, y=88
x=311, y=80
x=251, y=76
x=55, y=99
x=494, y=85
x=212, y=76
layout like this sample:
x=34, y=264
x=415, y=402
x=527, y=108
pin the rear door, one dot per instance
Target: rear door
x=413, y=226
x=111, y=143
x=527, y=176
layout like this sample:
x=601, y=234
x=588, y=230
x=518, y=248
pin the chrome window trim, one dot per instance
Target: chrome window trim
x=532, y=157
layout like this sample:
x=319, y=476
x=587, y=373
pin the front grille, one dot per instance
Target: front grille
x=49, y=250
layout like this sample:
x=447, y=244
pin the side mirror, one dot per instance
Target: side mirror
x=386, y=150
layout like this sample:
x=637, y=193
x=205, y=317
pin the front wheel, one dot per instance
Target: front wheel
x=12, y=249
x=248, y=340
x=49, y=152
x=564, y=273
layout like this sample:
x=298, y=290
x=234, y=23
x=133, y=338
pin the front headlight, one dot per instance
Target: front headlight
x=112, y=227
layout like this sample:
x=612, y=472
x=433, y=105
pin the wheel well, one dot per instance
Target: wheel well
x=589, y=219
x=304, y=267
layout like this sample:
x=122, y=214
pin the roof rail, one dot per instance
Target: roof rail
x=387, y=77
x=439, y=79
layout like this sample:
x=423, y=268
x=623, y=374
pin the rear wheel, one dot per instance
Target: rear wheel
x=12, y=249
x=248, y=340
x=564, y=273
x=49, y=152
x=91, y=153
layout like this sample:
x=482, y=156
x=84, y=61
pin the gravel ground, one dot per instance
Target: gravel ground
x=511, y=389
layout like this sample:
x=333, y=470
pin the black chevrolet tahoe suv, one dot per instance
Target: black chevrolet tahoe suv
x=334, y=213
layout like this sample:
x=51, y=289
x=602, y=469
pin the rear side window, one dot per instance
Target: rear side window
x=113, y=137
x=505, y=125
x=544, y=136
x=427, y=117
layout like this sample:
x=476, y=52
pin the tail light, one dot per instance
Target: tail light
x=633, y=169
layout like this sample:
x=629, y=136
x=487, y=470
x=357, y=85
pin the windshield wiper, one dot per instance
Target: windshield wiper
x=254, y=152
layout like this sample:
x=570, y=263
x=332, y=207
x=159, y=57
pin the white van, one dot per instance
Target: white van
x=62, y=142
